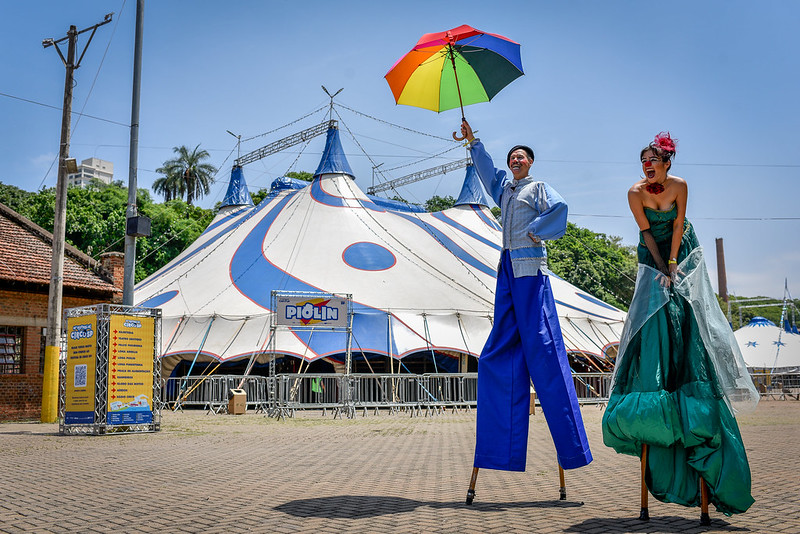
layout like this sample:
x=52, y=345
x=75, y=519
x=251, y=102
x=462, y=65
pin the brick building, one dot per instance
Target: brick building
x=25, y=263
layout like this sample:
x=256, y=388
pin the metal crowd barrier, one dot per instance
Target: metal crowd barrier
x=779, y=386
x=213, y=392
x=395, y=392
x=435, y=391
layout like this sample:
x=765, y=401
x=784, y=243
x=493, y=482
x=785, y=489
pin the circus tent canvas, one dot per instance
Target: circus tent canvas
x=766, y=346
x=421, y=283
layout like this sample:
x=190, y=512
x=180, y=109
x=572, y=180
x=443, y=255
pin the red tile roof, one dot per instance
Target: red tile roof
x=26, y=252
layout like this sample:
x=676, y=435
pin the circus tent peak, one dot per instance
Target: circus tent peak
x=237, y=194
x=472, y=191
x=760, y=321
x=333, y=159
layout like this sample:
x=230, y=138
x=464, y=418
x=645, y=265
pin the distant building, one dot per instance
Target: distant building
x=89, y=169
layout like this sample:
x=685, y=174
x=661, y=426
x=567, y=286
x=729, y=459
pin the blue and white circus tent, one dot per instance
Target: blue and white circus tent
x=768, y=347
x=422, y=283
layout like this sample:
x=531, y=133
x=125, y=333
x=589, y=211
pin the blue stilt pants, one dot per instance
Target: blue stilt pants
x=525, y=343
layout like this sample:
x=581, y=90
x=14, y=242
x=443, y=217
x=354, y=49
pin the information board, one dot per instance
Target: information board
x=316, y=311
x=79, y=403
x=130, y=370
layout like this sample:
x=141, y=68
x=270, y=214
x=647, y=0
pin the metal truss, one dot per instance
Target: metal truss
x=420, y=175
x=286, y=142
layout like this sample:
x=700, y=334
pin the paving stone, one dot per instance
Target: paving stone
x=379, y=473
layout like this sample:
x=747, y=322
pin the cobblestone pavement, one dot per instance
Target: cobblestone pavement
x=374, y=473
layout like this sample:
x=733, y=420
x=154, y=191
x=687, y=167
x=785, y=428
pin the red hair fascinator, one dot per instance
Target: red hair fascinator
x=664, y=142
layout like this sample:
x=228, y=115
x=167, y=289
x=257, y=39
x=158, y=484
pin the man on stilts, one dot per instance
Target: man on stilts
x=525, y=342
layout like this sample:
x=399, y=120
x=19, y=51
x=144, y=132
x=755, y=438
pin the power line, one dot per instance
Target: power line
x=682, y=163
x=59, y=109
x=695, y=218
x=392, y=124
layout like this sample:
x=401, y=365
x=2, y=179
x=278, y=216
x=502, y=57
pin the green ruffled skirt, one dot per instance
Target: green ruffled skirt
x=666, y=394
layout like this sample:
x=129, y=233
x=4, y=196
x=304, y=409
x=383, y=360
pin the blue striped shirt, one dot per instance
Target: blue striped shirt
x=531, y=212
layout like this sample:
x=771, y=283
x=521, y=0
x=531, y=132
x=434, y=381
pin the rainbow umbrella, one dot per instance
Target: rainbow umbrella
x=455, y=68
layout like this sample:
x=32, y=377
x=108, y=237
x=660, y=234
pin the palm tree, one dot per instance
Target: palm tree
x=185, y=174
x=171, y=187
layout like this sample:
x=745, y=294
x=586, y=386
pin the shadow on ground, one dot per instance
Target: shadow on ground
x=667, y=524
x=361, y=506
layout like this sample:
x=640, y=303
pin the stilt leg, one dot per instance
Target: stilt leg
x=472, y=481
x=705, y=519
x=644, y=514
x=562, y=491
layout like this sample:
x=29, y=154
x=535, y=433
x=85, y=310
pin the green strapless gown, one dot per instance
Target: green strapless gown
x=669, y=389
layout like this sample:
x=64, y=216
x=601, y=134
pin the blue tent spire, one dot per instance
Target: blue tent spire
x=333, y=159
x=472, y=190
x=237, y=194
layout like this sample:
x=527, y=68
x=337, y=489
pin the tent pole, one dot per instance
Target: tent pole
x=348, y=365
x=371, y=370
x=174, y=334
x=391, y=357
x=428, y=341
x=196, y=354
x=203, y=379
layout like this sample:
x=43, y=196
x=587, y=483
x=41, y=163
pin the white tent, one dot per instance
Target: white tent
x=767, y=346
x=422, y=283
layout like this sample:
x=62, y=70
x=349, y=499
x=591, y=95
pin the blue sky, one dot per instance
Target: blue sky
x=602, y=78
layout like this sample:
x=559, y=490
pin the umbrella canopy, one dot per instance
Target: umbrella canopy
x=455, y=68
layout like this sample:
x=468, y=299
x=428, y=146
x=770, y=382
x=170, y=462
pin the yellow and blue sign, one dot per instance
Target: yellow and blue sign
x=79, y=404
x=130, y=370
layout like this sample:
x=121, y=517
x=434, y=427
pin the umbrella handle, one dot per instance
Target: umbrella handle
x=455, y=134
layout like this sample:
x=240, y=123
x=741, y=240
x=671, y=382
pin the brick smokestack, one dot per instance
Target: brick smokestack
x=114, y=263
x=722, y=277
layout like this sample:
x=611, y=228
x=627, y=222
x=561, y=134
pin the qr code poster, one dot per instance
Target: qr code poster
x=80, y=376
x=81, y=363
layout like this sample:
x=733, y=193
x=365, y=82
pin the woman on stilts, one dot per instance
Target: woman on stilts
x=679, y=376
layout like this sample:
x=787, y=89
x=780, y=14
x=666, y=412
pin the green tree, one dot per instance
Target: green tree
x=174, y=226
x=171, y=187
x=596, y=263
x=437, y=203
x=186, y=174
x=301, y=175
x=14, y=197
x=95, y=218
x=259, y=195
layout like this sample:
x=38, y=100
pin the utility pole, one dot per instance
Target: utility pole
x=135, y=226
x=54, y=300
